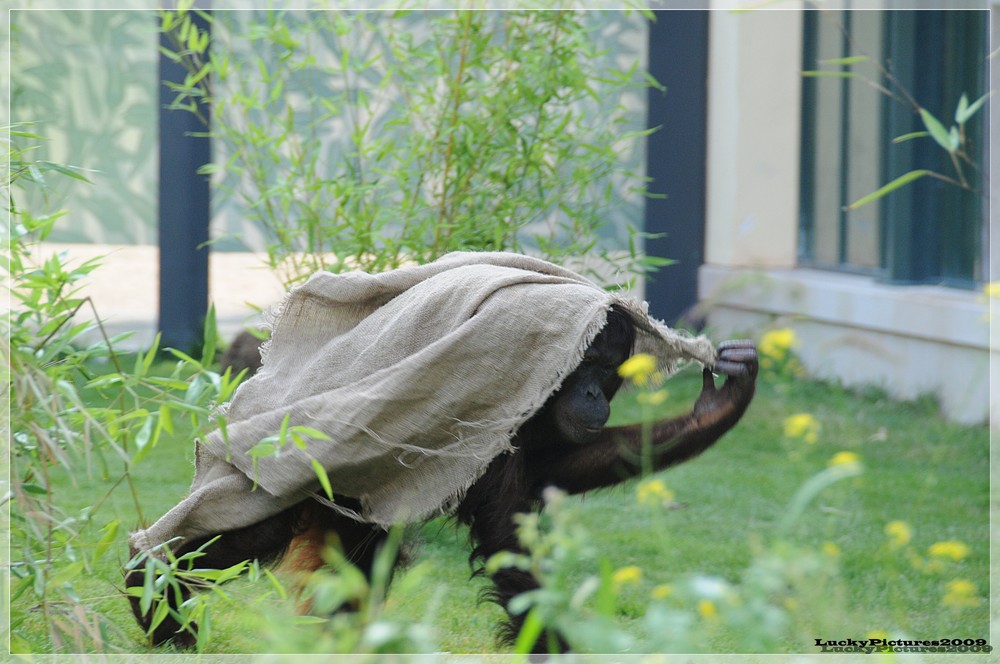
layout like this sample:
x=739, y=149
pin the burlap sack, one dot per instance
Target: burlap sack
x=419, y=376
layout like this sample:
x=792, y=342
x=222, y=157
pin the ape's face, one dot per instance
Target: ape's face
x=581, y=407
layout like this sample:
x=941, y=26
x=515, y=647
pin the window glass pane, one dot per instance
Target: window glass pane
x=864, y=144
x=826, y=147
x=929, y=231
x=933, y=227
x=845, y=141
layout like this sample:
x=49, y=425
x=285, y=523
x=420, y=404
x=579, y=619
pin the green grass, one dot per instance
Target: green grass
x=918, y=468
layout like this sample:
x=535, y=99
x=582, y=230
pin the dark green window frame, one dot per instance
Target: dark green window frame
x=929, y=231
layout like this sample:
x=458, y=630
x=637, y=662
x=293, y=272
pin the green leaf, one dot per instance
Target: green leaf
x=162, y=609
x=181, y=355
x=229, y=383
x=203, y=42
x=148, y=592
x=275, y=583
x=221, y=575
x=67, y=573
x=324, y=479
x=847, y=61
x=142, y=438
x=168, y=383
x=604, y=601
x=68, y=171
x=26, y=134
x=936, y=129
x=166, y=418
x=110, y=533
x=962, y=108
x=196, y=388
x=146, y=441
x=283, y=433
x=828, y=74
x=954, y=139
x=309, y=431
x=134, y=591
x=966, y=110
x=147, y=361
x=910, y=136
x=530, y=631
x=901, y=181
x=210, y=337
x=263, y=450
x=205, y=625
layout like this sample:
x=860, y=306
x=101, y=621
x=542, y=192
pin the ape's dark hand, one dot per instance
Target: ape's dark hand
x=738, y=361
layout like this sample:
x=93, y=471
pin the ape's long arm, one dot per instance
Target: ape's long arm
x=617, y=454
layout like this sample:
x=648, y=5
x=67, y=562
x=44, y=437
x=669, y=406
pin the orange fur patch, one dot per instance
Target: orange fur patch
x=304, y=556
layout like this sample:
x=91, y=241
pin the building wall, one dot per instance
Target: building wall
x=86, y=80
x=753, y=142
x=909, y=340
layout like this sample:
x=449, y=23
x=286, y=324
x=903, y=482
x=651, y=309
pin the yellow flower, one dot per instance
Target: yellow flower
x=844, y=459
x=992, y=289
x=959, y=594
x=654, y=491
x=899, y=533
x=775, y=344
x=707, y=610
x=831, y=549
x=638, y=368
x=950, y=549
x=662, y=591
x=652, y=398
x=961, y=587
x=626, y=575
x=802, y=425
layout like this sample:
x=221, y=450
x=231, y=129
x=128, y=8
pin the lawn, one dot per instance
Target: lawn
x=727, y=505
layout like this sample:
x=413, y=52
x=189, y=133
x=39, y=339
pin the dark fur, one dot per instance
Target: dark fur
x=513, y=483
x=243, y=353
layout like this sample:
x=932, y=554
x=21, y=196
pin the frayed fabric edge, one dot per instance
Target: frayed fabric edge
x=273, y=316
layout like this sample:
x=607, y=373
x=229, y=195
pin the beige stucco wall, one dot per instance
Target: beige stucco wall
x=754, y=134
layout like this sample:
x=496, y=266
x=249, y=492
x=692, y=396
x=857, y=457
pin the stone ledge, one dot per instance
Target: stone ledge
x=933, y=313
x=909, y=340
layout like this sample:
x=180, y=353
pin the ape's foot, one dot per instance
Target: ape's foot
x=168, y=629
x=549, y=642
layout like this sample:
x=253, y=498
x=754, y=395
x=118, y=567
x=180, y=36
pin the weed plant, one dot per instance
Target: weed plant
x=370, y=140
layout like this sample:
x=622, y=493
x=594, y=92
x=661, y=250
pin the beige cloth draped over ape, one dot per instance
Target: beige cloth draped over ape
x=419, y=376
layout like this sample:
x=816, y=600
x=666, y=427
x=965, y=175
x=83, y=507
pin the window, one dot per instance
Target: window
x=929, y=231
